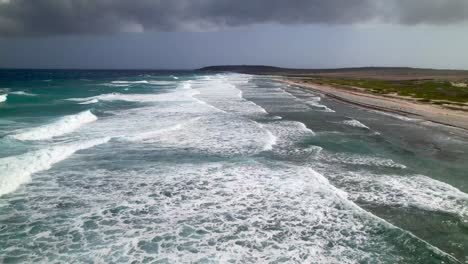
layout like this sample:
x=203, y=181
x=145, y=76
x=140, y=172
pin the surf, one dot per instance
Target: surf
x=17, y=170
x=23, y=93
x=62, y=126
x=3, y=97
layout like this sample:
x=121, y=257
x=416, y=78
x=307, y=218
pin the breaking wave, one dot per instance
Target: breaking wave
x=23, y=93
x=17, y=170
x=64, y=125
x=355, y=123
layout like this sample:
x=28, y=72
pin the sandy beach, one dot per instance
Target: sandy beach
x=427, y=112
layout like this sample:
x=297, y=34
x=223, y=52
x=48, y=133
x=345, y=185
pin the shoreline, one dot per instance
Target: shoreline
x=427, y=112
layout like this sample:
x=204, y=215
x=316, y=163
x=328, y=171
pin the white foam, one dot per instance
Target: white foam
x=314, y=102
x=130, y=82
x=356, y=159
x=145, y=123
x=3, y=97
x=220, y=210
x=271, y=139
x=176, y=95
x=155, y=133
x=355, y=123
x=397, y=116
x=92, y=101
x=226, y=212
x=151, y=134
x=221, y=92
x=407, y=191
x=17, y=170
x=154, y=82
x=219, y=134
x=115, y=84
x=23, y=93
x=287, y=134
x=64, y=125
x=161, y=82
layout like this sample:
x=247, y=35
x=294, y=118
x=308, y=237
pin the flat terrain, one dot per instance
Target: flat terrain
x=452, y=94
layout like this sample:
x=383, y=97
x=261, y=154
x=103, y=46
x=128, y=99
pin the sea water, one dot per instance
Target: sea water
x=191, y=167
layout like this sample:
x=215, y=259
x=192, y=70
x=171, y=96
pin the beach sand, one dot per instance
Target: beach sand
x=429, y=112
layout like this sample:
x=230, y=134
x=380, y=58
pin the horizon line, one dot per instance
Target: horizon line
x=229, y=65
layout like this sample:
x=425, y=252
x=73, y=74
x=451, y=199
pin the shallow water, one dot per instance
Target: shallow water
x=182, y=167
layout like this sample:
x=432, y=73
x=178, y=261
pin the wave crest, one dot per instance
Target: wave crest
x=23, y=93
x=17, y=170
x=355, y=123
x=65, y=125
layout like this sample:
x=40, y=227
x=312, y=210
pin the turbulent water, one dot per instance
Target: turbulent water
x=185, y=167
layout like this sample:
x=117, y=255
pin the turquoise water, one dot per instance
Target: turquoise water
x=189, y=167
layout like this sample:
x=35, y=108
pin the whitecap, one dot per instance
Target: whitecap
x=3, y=97
x=115, y=85
x=314, y=102
x=221, y=92
x=270, y=140
x=176, y=95
x=92, y=101
x=161, y=82
x=397, y=116
x=356, y=159
x=64, y=125
x=155, y=133
x=417, y=191
x=17, y=170
x=129, y=82
x=355, y=123
x=23, y=93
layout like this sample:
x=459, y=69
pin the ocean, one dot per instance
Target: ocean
x=197, y=167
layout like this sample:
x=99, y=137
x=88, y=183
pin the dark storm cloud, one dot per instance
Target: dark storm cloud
x=429, y=11
x=55, y=17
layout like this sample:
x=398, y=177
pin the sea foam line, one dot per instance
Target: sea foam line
x=17, y=170
x=64, y=125
x=344, y=197
x=176, y=95
x=151, y=134
x=129, y=82
x=23, y=93
x=92, y=101
x=143, y=82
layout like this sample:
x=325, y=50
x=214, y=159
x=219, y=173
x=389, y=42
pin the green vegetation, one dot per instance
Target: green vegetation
x=433, y=91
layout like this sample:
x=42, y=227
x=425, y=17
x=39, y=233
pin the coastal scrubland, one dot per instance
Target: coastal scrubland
x=440, y=92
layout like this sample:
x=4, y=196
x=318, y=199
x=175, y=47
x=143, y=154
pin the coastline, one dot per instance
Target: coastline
x=428, y=112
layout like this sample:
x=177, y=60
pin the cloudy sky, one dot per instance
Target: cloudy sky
x=176, y=34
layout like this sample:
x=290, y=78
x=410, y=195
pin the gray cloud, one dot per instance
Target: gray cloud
x=58, y=17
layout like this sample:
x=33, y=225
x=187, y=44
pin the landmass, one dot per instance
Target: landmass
x=440, y=96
